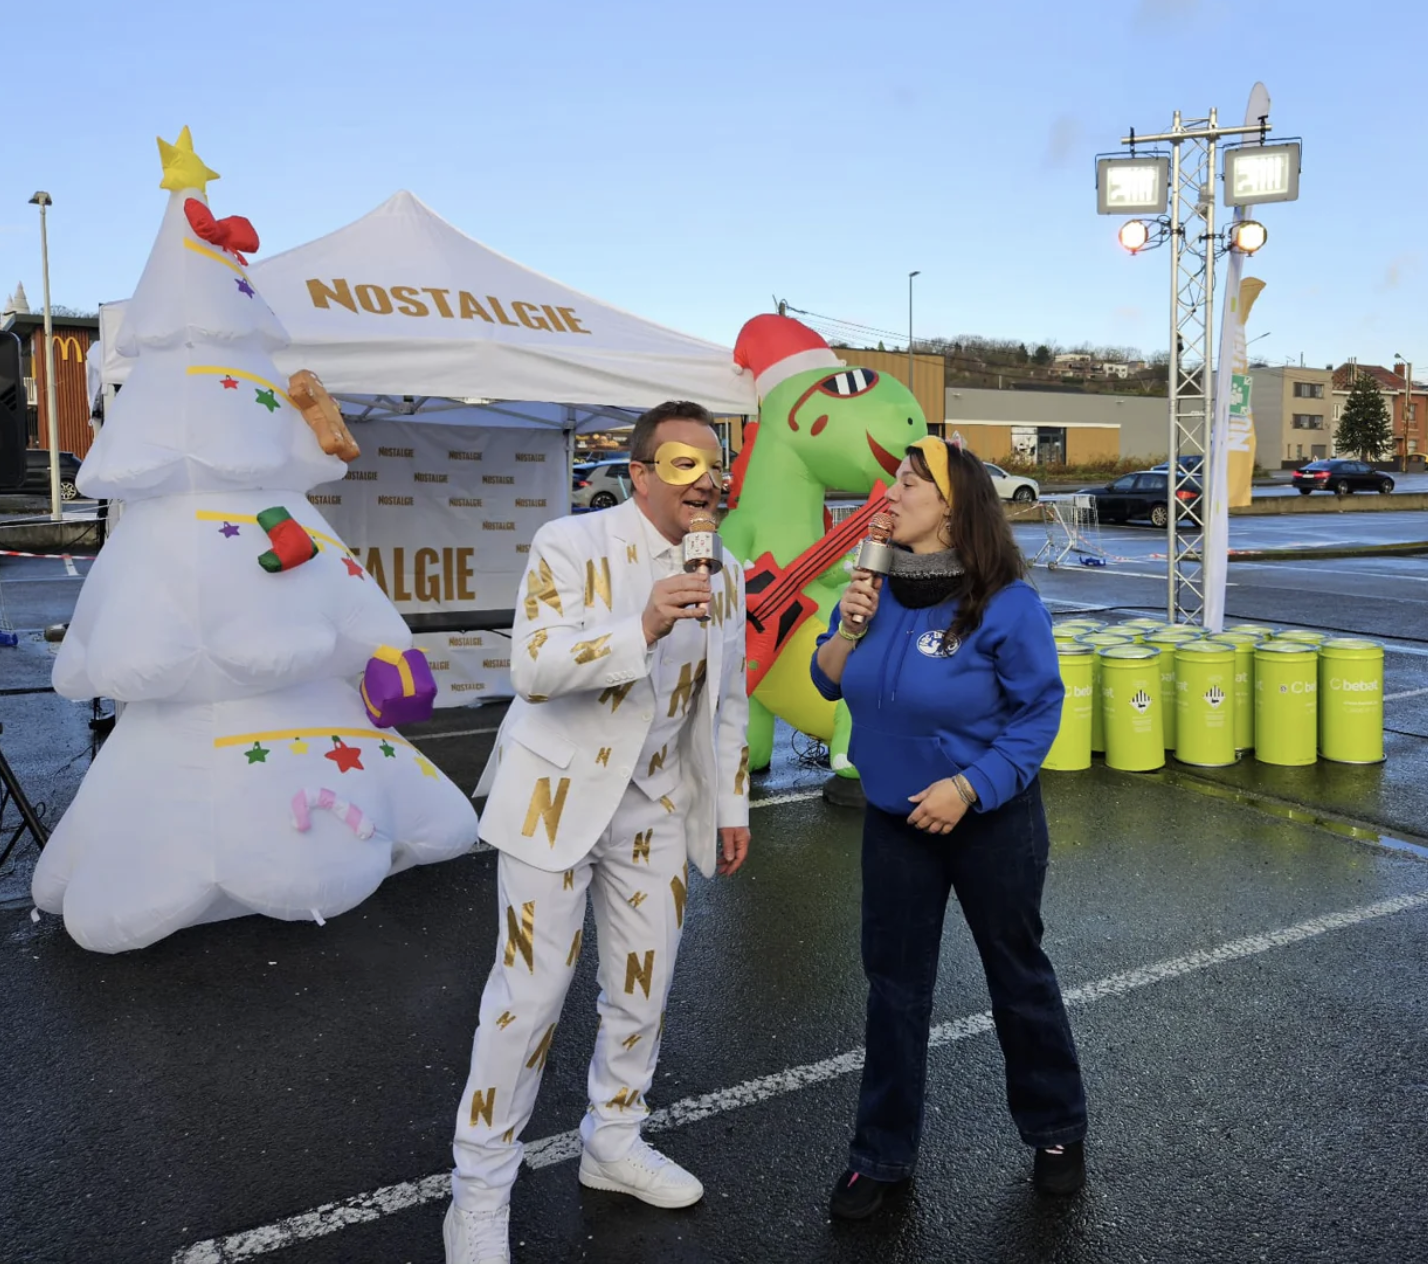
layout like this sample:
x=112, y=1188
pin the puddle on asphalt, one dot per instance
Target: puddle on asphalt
x=1290, y=812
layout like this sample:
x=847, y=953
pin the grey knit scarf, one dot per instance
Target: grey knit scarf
x=918, y=580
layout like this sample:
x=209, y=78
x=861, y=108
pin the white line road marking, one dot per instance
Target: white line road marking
x=1356, y=572
x=69, y=567
x=1410, y=693
x=1110, y=570
x=798, y=796
x=437, y=737
x=390, y=1199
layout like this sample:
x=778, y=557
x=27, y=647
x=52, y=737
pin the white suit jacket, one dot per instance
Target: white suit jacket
x=585, y=702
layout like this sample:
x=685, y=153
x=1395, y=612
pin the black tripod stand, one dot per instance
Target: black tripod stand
x=11, y=790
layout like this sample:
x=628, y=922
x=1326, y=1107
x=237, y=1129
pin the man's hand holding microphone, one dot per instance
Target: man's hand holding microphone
x=685, y=596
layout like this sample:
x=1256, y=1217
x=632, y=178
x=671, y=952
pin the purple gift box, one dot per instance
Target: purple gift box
x=397, y=687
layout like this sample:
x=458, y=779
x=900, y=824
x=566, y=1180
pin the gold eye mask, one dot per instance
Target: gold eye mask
x=679, y=465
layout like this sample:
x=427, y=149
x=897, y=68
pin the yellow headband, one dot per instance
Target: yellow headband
x=934, y=451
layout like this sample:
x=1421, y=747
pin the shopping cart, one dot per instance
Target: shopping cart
x=1072, y=526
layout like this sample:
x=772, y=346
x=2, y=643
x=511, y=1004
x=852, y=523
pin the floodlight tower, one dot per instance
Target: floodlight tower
x=1182, y=182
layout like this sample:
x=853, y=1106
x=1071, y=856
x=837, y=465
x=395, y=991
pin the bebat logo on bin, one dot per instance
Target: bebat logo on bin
x=1338, y=683
x=1140, y=700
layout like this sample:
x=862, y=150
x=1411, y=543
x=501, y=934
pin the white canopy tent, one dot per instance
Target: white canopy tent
x=406, y=319
x=426, y=323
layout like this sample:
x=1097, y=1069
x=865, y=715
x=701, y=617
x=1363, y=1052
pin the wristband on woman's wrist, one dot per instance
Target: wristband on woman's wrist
x=851, y=636
x=964, y=789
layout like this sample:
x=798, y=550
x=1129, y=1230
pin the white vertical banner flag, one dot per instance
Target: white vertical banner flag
x=1215, y=546
x=441, y=518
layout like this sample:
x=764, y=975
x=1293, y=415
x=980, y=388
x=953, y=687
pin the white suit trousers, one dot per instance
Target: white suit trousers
x=637, y=875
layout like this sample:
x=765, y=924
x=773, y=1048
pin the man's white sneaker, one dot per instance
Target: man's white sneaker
x=477, y=1237
x=645, y=1174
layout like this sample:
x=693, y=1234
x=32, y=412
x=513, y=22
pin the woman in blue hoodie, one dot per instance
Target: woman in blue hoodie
x=951, y=675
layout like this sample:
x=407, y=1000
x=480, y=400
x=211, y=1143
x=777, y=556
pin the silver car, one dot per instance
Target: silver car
x=600, y=484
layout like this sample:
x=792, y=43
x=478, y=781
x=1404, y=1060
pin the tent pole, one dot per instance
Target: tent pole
x=569, y=442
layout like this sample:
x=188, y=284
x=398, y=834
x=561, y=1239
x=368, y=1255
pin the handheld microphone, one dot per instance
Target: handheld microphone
x=701, y=550
x=875, y=555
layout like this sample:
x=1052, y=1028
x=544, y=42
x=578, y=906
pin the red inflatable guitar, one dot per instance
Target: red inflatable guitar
x=774, y=599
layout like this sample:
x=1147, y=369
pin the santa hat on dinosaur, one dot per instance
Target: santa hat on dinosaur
x=774, y=347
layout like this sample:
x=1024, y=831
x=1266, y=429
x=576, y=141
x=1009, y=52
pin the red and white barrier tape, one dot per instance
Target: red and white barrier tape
x=58, y=557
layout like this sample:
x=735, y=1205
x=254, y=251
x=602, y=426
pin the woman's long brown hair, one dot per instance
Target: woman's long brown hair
x=977, y=526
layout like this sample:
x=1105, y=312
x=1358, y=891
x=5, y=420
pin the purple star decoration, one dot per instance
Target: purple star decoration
x=228, y=530
x=244, y=287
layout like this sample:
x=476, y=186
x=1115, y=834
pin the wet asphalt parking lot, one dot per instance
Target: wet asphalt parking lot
x=1242, y=949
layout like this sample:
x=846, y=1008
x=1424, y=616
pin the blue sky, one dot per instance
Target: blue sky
x=690, y=162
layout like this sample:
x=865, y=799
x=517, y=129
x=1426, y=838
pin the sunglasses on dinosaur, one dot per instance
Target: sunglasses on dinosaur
x=849, y=383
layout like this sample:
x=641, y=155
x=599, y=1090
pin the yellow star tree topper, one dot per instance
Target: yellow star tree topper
x=184, y=169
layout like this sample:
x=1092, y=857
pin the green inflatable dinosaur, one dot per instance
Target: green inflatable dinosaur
x=822, y=426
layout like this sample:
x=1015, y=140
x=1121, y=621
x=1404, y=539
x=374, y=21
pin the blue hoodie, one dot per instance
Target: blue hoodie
x=989, y=710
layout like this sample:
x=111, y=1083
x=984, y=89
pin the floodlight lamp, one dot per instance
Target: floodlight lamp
x=1248, y=236
x=1132, y=186
x=1134, y=235
x=1262, y=173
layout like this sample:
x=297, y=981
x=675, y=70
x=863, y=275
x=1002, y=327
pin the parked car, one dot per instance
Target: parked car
x=1191, y=463
x=37, y=473
x=1342, y=477
x=1144, y=494
x=600, y=484
x=1015, y=487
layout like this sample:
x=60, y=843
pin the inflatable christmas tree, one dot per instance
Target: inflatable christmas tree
x=253, y=768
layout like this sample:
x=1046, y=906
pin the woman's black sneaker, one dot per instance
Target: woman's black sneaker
x=1060, y=1170
x=856, y=1197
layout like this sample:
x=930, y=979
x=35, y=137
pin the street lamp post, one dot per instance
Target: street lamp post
x=43, y=200
x=1408, y=418
x=910, y=275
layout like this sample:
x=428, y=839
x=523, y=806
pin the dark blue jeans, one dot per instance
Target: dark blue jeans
x=996, y=863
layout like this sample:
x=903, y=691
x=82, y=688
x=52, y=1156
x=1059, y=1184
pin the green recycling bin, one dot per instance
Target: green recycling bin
x=1130, y=707
x=1061, y=633
x=1286, y=703
x=1071, y=751
x=1166, y=640
x=1262, y=630
x=1098, y=640
x=1143, y=625
x=1351, y=701
x=1304, y=636
x=1205, y=704
x=1244, y=645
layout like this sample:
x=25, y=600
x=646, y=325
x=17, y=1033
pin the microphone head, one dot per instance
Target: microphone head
x=701, y=544
x=880, y=528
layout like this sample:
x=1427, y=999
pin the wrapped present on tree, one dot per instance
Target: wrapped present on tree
x=398, y=688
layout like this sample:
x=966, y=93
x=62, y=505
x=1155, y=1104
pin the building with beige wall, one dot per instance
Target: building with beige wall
x=1053, y=427
x=1294, y=415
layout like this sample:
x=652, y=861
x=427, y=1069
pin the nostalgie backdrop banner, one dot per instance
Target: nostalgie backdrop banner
x=442, y=518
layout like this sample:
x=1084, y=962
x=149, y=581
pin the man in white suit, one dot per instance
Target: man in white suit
x=622, y=758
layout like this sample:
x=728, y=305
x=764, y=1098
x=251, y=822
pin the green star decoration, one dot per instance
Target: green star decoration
x=268, y=400
x=388, y=750
x=258, y=755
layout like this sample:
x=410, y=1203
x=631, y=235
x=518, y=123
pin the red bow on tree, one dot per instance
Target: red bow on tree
x=233, y=234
